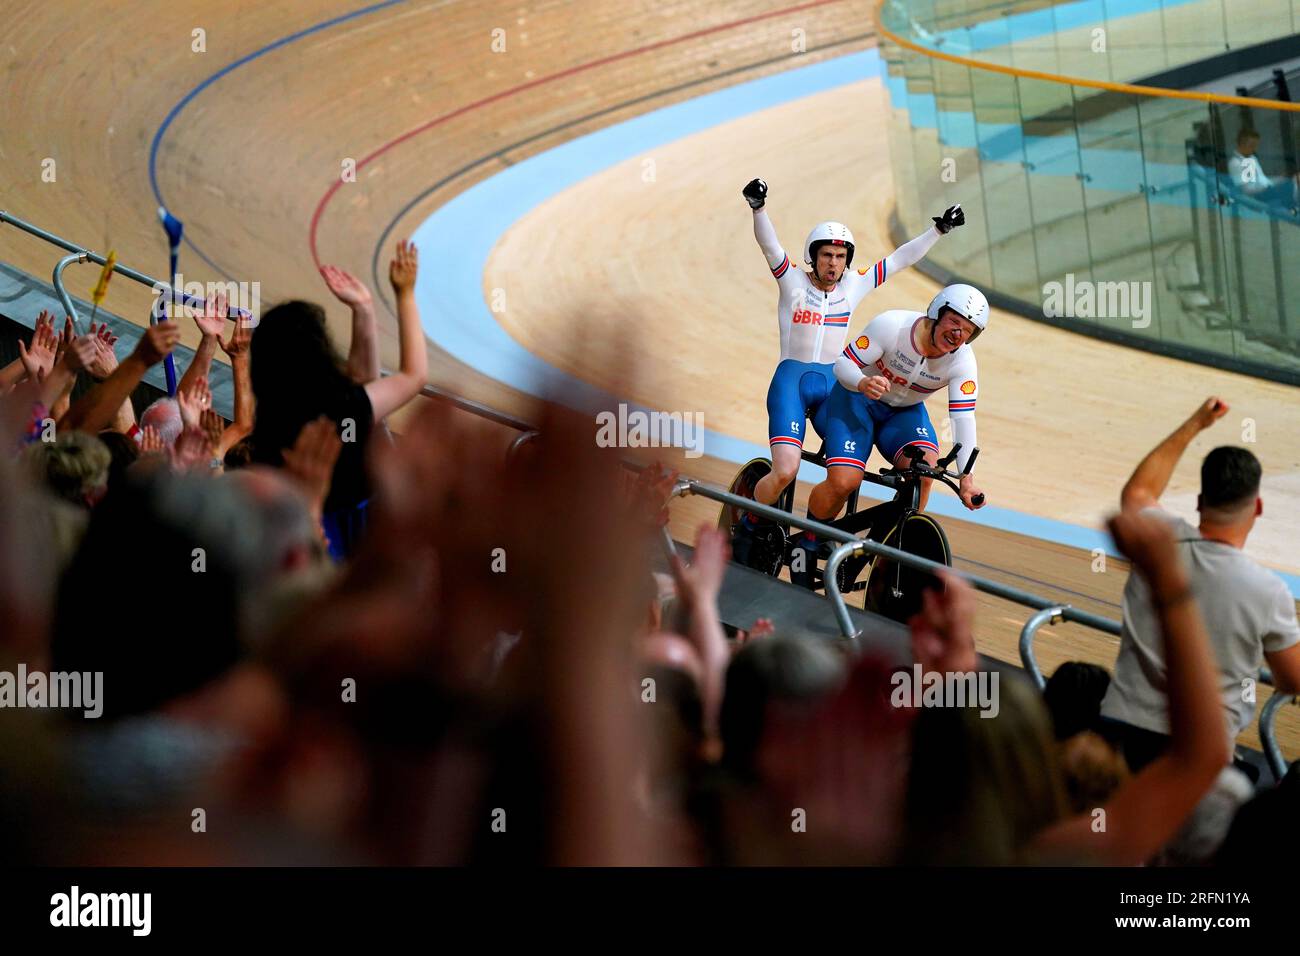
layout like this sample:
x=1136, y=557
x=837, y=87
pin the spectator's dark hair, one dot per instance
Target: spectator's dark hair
x=124, y=450
x=1073, y=696
x=1245, y=133
x=297, y=375
x=1229, y=477
x=180, y=624
x=766, y=670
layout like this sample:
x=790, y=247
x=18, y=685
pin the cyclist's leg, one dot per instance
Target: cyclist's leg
x=848, y=443
x=785, y=427
x=815, y=386
x=909, y=426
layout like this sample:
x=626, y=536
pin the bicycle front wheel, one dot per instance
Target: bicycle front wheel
x=893, y=589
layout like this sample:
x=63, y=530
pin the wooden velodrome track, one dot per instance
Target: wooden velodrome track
x=248, y=161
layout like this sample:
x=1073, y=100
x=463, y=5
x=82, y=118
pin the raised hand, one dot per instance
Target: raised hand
x=68, y=333
x=80, y=353
x=698, y=584
x=38, y=358
x=105, y=360
x=157, y=342
x=150, y=441
x=310, y=462
x=212, y=426
x=211, y=319
x=241, y=338
x=762, y=627
x=403, y=268
x=346, y=287
x=193, y=400
x=191, y=449
x=1211, y=410
x=755, y=193
x=952, y=218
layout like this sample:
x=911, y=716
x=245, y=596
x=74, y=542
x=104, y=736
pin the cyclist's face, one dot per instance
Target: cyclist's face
x=830, y=262
x=952, y=330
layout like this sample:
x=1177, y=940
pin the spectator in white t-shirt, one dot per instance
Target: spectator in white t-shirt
x=1248, y=175
x=1249, y=611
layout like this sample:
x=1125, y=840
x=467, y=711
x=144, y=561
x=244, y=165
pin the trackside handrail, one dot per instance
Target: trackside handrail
x=83, y=254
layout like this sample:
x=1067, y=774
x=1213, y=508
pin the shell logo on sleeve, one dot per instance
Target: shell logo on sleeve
x=862, y=342
x=967, y=388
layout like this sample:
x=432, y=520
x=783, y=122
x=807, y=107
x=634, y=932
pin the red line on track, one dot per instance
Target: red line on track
x=571, y=71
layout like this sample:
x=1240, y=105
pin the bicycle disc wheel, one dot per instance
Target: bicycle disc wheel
x=894, y=590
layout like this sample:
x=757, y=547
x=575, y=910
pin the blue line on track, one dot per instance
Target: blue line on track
x=224, y=71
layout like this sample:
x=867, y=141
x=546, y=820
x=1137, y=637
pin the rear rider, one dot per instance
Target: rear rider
x=812, y=314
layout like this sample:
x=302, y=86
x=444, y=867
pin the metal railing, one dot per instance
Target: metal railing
x=78, y=254
x=1046, y=610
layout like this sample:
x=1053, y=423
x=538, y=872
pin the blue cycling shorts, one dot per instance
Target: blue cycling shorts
x=796, y=394
x=850, y=423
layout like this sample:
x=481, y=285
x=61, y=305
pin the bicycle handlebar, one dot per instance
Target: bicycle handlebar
x=890, y=477
x=939, y=471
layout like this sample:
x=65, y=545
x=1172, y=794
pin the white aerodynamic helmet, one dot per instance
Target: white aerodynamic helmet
x=833, y=232
x=967, y=301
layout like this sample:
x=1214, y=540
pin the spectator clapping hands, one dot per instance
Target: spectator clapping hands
x=105, y=360
x=192, y=402
x=38, y=357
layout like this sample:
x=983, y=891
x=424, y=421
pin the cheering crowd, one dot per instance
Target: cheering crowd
x=325, y=643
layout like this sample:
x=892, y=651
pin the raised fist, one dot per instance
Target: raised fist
x=952, y=218
x=755, y=193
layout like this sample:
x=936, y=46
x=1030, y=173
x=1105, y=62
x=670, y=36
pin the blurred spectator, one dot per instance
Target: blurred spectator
x=785, y=670
x=1073, y=696
x=982, y=788
x=193, y=547
x=991, y=789
x=164, y=414
x=123, y=451
x=1265, y=826
x=1093, y=770
x=74, y=467
x=1249, y=612
x=1206, y=829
